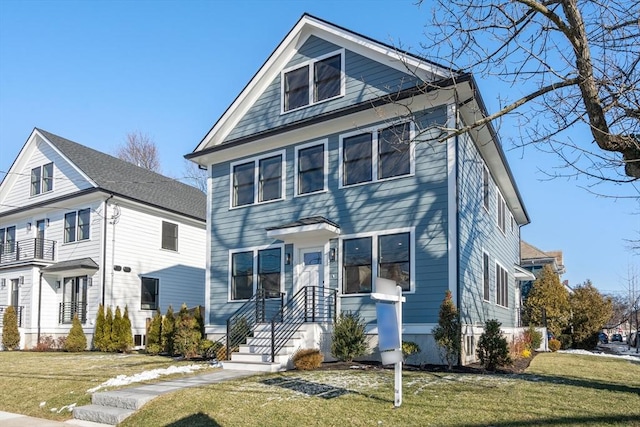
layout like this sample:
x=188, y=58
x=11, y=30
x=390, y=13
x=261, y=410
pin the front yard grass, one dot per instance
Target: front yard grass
x=557, y=389
x=35, y=383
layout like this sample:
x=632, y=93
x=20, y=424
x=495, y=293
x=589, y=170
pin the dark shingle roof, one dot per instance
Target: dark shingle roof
x=130, y=181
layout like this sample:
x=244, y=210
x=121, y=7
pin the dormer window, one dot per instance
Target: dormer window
x=42, y=179
x=315, y=81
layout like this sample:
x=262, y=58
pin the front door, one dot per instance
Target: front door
x=311, y=276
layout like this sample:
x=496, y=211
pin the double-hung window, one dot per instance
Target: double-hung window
x=149, y=291
x=257, y=180
x=7, y=240
x=312, y=82
x=502, y=286
x=77, y=225
x=502, y=213
x=377, y=154
x=311, y=168
x=385, y=254
x=485, y=277
x=169, y=236
x=253, y=270
x=42, y=179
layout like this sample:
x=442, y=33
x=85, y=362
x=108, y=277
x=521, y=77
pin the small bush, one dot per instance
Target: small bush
x=565, y=340
x=307, y=359
x=76, y=340
x=518, y=346
x=554, y=344
x=154, y=334
x=349, y=340
x=409, y=348
x=526, y=353
x=10, y=332
x=168, y=331
x=47, y=343
x=61, y=342
x=533, y=337
x=493, y=350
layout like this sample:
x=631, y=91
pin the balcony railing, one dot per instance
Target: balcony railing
x=28, y=250
x=19, y=311
x=69, y=309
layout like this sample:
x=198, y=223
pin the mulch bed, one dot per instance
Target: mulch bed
x=518, y=367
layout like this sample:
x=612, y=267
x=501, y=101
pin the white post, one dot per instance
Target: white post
x=398, y=367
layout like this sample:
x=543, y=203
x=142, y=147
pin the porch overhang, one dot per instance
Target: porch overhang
x=74, y=267
x=312, y=228
x=523, y=275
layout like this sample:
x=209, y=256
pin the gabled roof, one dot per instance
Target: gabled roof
x=307, y=26
x=530, y=255
x=127, y=180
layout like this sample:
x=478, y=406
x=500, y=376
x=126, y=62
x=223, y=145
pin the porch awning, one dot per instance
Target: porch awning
x=305, y=228
x=73, y=267
x=523, y=275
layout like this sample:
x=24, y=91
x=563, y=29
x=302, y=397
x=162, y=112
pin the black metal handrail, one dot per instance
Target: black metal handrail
x=258, y=309
x=309, y=304
x=69, y=309
x=27, y=250
x=19, y=311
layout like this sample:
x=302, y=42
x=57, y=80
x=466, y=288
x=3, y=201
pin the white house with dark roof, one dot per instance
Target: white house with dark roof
x=333, y=167
x=79, y=228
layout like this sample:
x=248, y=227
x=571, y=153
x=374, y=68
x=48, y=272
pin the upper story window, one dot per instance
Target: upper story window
x=386, y=254
x=311, y=168
x=257, y=180
x=485, y=277
x=169, y=236
x=253, y=270
x=485, y=187
x=42, y=179
x=77, y=225
x=314, y=81
x=7, y=239
x=502, y=213
x=377, y=154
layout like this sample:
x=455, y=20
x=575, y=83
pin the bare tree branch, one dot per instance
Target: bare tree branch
x=140, y=149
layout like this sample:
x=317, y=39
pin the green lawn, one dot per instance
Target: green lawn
x=557, y=389
x=45, y=384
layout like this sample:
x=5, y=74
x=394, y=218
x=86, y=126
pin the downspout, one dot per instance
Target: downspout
x=104, y=247
x=39, y=304
x=459, y=290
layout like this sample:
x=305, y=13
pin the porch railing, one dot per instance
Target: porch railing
x=260, y=308
x=69, y=309
x=310, y=304
x=19, y=311
x=28, y=250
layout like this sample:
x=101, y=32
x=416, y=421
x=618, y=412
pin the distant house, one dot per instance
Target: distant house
x=533, y=259
x=79, y=228
x=326, y=173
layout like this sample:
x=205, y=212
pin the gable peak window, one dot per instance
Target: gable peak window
x=42, y=179
x=315, y=81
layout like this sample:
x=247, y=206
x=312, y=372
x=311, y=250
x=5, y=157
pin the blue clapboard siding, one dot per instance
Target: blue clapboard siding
x=478, y=232
x=365, y=80
x=418, y=201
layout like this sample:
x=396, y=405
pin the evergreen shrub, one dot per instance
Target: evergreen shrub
x=76, y=340
x=349, y=340
x=554, y=344
x=10, y=332
x=493, y=350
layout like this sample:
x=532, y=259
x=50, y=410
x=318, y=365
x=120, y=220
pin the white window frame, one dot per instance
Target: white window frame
x=256, y=178
x=375, y=258
x=501, y=220
x=325, y=144
x=255, y=250
x=499, y=291
x=310, y=64
x=485, y=188
x=486, y=276
x=375, y=155
x=41, y=180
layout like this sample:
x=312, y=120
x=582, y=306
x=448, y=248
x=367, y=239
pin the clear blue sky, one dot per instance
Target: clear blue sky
x=92, y=71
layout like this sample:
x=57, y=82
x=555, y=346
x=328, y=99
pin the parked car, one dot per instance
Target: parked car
x=603, y=338
x=616, y=337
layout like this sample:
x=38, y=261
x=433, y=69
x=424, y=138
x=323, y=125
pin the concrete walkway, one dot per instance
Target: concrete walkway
x=109, y=408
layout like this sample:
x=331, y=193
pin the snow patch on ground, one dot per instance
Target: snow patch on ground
x=627, y=356
x=122, y=380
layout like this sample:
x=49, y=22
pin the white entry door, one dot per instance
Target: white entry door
x=311, y=274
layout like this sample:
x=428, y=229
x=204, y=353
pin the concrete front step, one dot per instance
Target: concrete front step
x=259, y=357
x=253, y=366
x=125, y=399
x=102, y=414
